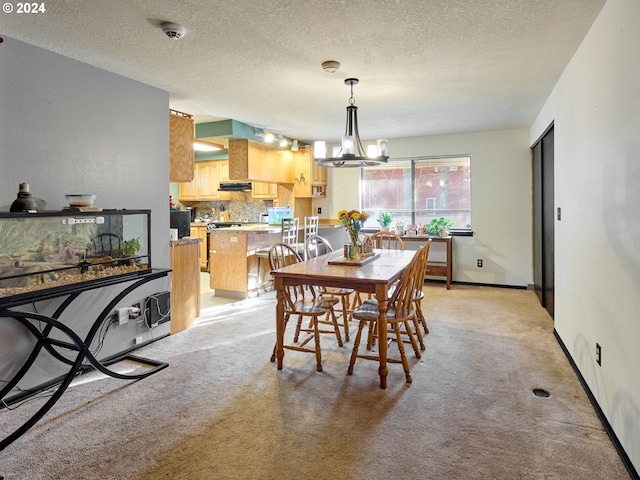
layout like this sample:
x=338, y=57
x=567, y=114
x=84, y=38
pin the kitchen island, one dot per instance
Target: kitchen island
x=234, y=268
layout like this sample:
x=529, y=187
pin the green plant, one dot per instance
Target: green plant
x=438, y=226
x=385, y=219
x=130, y=247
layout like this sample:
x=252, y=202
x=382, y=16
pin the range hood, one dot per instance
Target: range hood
x=235, y=187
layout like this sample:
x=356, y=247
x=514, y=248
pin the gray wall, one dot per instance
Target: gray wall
x=596, y=114
x=68, y=127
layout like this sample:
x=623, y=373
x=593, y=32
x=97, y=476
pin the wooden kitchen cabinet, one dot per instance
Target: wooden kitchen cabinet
x=253, y=161
x=315, y=176
x=185, y=285
x=224, y=170
x=201, y=232
x=205, y=184
x=264, y=190
x=181, y=158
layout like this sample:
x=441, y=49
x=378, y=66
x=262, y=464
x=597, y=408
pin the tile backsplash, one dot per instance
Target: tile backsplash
x=241, y=207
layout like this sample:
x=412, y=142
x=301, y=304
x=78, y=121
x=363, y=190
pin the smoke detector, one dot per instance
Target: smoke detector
x=330, y=66
x=173, y=30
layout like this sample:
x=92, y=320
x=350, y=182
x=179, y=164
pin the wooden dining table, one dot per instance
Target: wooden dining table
x=372, y=275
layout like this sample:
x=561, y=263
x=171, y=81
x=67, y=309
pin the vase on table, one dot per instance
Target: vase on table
x=354, y=247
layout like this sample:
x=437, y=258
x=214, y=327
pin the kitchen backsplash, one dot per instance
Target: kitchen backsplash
x=241, y=207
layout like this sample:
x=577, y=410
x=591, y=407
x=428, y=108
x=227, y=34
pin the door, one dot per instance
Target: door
x=543, y=220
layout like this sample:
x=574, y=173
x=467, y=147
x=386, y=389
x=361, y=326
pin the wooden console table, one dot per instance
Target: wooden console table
x=436, y=269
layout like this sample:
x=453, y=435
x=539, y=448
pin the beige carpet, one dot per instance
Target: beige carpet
x=223, y=411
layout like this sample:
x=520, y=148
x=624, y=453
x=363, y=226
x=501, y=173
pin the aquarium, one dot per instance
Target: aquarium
x=276, y=214
x=48, y=249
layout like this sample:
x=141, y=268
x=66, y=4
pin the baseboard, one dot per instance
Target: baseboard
x=605, y=423
x=474, y=284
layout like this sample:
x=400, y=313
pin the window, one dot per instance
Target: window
x=419, y=190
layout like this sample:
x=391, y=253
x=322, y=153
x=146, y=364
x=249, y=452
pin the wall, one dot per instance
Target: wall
x=500, y=196
x=597, y=171
x=68, y=127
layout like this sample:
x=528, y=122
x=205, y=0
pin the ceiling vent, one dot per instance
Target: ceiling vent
x=173, y=30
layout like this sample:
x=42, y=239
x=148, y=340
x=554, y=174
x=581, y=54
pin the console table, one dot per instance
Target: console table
x=69, y=348
x=436, y=269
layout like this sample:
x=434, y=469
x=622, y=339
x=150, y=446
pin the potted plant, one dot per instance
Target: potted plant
x=385, y=219
x=439, y=227
x=130, y=247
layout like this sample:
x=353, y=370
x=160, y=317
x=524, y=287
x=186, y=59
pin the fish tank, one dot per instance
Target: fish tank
x=58, y=248
x=276, y=214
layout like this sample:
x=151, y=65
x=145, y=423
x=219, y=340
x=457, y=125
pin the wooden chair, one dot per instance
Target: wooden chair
x=400, y=317
x=387, y=241
x=419, y=293
x=316, y=246
x=384, y=241
x=289, y=235
x=303, y=302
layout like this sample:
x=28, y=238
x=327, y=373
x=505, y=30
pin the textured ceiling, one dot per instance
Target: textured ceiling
x=425, y=66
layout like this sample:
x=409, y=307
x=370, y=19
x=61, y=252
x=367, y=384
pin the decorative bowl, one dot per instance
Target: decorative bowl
x=80, y=199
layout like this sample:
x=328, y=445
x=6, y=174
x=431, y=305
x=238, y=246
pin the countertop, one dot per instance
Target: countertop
x=185, y=241
x=258, y=228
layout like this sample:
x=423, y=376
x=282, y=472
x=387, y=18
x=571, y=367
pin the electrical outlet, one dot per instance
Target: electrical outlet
x=479, y=263
x=598, y=354
x=123, y=315
x=319, y=210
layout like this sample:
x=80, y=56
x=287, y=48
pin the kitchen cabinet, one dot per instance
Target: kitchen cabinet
x=185, y=284
x=205, y=183
x=264, y=190
x=201, y=232
x=315, y=176
x=224, y=170
x=253, y=161
x=181, y=157
x=233, y=263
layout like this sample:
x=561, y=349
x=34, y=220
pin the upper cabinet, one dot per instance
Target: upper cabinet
x=255, y=161
x=181, y=135
x=264, y=190
x=205, y=183
x=310, y=178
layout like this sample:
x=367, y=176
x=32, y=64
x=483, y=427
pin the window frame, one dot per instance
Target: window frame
x=415, y=212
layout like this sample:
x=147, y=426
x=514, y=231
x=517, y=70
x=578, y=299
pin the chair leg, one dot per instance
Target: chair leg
x=296, y=335
x=273, y=355
x=421, y=319
x=356, y=344
x=403, y=356
x=418, y=332
x=345, y=316
x=412, y=339
x=334, y=322
x=316, y=334
x=371, y=336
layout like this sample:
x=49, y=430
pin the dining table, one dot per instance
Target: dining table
x=374, y=274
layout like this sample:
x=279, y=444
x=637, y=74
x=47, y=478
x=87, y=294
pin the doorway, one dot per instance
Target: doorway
x=543, y=220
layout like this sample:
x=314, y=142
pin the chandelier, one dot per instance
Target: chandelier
x=351, y=153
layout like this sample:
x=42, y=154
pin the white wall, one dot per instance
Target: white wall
x=68, y=127
x=500, y=201
x=596, y=109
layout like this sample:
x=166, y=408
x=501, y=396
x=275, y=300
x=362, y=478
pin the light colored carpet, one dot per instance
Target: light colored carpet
x=223, y=411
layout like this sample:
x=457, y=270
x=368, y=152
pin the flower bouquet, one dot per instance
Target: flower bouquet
x=352, y=221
